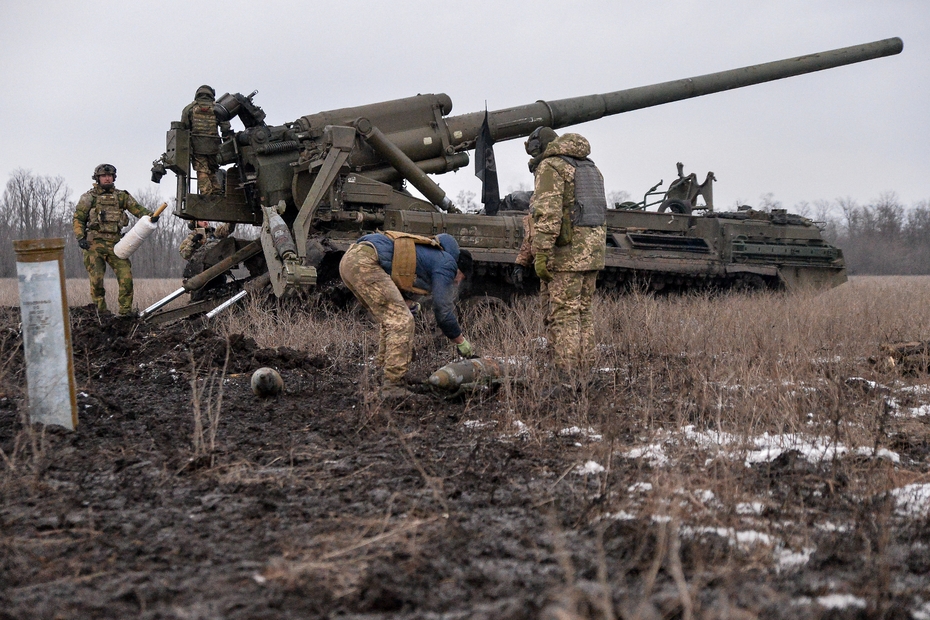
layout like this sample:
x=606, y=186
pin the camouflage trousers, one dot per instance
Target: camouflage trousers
x=206, y=167
x=96, y=259
x=568, y=299
x=373, y=287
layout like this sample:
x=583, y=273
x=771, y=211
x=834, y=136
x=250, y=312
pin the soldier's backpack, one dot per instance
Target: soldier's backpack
x=404, y=263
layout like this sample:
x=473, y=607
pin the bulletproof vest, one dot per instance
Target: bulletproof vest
x=204, y=137
x=590, y=208
x=106, y=216
x=404, y=263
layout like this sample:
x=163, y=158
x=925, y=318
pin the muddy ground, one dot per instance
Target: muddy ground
x=325, y=502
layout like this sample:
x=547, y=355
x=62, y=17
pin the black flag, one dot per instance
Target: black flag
x=486, y=169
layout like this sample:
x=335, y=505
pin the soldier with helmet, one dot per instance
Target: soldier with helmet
x=99, y=218
x=569, y=239
x=200, y=118
x=203, y=235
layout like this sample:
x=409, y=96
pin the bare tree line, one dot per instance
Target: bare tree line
x=881, y=238
x=36, y=207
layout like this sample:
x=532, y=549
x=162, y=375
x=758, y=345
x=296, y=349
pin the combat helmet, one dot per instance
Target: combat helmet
x=537, y=141
x=205, y=91
x=104, y=169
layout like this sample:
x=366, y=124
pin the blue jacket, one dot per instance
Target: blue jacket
x=436, y=271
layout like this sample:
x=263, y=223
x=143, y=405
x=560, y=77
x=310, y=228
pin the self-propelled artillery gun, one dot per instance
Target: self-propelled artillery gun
x=316, y=184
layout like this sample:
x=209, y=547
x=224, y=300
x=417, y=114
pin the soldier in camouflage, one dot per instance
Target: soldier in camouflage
x=203, y=235
x=371, y=269
x=99, y=218
x=200, y=118
x=569, y=240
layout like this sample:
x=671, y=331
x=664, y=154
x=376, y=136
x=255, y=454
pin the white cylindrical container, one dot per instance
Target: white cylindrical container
x=131, y=241
x=43, y=306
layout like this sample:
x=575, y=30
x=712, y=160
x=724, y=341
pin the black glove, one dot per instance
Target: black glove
x=154, y=218
x=83, y=244
x=197, y=238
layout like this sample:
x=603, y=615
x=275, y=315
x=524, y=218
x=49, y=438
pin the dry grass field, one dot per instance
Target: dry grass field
x=146, y=292
x=735, y=456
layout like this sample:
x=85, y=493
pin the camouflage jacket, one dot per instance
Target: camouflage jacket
x=190, y=245
x=200, y=119
x=102, y=212
x=553, y=197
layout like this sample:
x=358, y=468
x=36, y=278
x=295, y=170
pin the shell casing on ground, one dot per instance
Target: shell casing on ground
x=465, y=371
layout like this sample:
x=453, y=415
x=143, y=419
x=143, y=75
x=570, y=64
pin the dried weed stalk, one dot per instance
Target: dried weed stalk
x=207, y=403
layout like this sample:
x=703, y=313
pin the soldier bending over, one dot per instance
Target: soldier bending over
x=379, y=266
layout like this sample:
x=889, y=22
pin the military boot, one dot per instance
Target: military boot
x=395, y=390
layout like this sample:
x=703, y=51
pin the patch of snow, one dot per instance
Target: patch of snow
x=759, y=449
x=813, y=449
x=513, y=361
x=749, y=508
x=705, y=495
x=840, y=601
x=591, y=467
x=863, y=381
x=522, y=429
x=747, y=537
x=620, y=516
x=709, y=439
x=912, y=500
x=644, y=487
x=478, y=424
x=574, y=431
x=881, y=453
x=751, y=537
x=922, y=612
x=652, y=453
x=788, y=559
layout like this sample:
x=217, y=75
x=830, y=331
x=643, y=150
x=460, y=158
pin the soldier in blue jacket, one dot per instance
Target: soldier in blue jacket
x=379, y=266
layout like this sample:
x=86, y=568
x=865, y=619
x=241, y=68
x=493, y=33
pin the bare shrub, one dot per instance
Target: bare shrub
x=207, y=403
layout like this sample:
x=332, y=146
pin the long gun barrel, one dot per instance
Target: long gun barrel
x=522, y=120
x=419, y=127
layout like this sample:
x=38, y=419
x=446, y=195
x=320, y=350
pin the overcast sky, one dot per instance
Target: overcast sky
x=84, y=84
